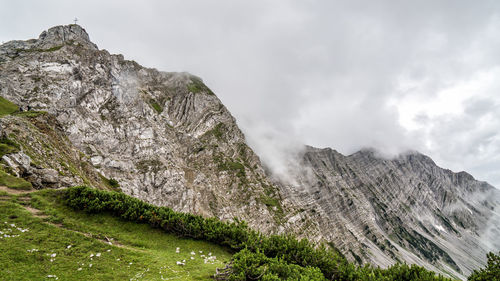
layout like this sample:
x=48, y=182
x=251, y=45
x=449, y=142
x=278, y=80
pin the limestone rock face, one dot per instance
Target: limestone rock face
x=402, y=209
x=165, y=137
x=19, y=163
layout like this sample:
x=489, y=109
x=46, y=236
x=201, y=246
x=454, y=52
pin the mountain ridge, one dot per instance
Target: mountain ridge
x=380, y=205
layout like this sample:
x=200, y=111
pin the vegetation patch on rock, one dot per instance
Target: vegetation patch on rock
x=196, y=85
x=7, y=107
x=13, y=182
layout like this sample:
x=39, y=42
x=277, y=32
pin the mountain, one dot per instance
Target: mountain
x=97, y=119
x=164, y=137
x=403, y=209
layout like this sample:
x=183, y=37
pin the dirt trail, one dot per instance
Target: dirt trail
x=35, y=212
x=15, y=191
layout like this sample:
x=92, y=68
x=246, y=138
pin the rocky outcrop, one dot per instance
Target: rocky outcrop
x=42, y=154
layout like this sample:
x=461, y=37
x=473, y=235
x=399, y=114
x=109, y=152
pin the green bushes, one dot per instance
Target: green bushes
x=273, y=257
x=402, y=272
x=248, y=265
x=232, y=235
x=491, y=272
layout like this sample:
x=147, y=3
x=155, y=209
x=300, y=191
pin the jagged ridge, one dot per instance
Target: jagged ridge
x=402, y=209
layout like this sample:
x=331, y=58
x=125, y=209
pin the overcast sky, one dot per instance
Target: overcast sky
x=394, y=75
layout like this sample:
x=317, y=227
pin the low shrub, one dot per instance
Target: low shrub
x=491, y=272
x=258, y=257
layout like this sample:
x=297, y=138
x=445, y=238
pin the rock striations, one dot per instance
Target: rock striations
x=167, y=139
x=402, y=209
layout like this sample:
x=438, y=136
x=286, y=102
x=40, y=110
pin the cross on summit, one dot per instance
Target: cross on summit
x=75, y=20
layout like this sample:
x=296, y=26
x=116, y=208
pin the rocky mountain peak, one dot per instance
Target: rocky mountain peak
x=62, y=34
x=49, y=41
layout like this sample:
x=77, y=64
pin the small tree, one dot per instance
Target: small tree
x=491, y=272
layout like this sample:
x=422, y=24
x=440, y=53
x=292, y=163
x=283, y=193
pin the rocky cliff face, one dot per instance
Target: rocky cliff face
x=167, y=139
x=402, y=209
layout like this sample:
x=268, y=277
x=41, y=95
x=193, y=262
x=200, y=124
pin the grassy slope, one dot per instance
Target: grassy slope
x=144, y=253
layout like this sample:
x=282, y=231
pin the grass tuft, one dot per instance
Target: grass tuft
x=7, y=107
x=14, y=182
x=29, y=114
x=111, y=183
